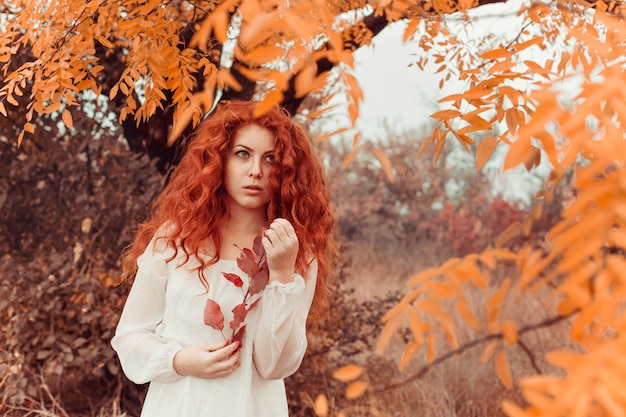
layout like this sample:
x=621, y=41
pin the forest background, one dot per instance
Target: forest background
x=510, y=308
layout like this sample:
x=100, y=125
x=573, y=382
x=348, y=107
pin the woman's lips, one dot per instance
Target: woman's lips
x=253, y=189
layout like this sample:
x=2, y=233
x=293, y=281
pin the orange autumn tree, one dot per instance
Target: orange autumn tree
x=582, y=260
x=163, y=65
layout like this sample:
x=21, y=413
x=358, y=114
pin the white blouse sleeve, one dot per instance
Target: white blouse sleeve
x=145, y=355
x=280, y=337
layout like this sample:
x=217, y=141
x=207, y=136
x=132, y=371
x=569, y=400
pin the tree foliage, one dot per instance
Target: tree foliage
x=163, y=65
x=167, y=63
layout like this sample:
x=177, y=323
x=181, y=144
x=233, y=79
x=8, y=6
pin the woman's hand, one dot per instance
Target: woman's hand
x=281, y=248
x=207, y=360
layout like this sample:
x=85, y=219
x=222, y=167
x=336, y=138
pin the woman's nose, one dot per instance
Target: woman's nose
x=255, y=169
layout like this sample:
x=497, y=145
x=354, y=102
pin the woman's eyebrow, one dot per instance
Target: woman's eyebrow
x=253, y=150
x=242, y=146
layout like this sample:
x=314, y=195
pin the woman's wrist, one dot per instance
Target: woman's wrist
x=176, y=363
x=283, y=277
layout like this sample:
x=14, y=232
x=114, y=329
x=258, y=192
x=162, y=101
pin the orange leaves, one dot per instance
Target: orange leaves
x=262, y=55
x=484, y=150
x=521, y=152
x=503, y=370
x=307, y=81
x=385, y=162
x=411, y=29
x=494, y=305
x=67, y=119
x=215, y=23
x=427, y=304
x=497, y=53
x=321, y=406
x=271, y=99
x=356, y=389
x=592, y=384
x=350, y=374
x=391, y=327
x=488, y=351
x=409, y=353
x=509, y=331
x=182, y=119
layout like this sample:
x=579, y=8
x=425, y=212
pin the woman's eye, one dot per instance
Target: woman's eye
x=241, y=153
x=270, y=158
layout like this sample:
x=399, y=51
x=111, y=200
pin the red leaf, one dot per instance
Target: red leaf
x=257, y=246
x=247, y=263
x=234, y=278
x=213, y=316
x=258, y=282
x=239, y=313
x=254, y=304
x=238, y=337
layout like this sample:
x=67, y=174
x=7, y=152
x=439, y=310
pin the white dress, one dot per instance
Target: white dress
x=164, y=313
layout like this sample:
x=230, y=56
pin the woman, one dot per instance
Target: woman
x=211, y=324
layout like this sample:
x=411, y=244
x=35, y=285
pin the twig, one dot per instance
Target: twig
x=530, y=355
x=52, y=398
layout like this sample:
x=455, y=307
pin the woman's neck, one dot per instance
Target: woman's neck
x=239, y=231
x=244, y=222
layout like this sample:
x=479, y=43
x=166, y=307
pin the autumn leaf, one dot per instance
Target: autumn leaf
x=239, y=315
x=484, y=150
x=247, y=262
x=356, y=389
x=503, y=370
x=323, y=137
x=509, y=233
x=353, y=111
x=258, y=281
x=348, y=373
x=385, y=162
x=496, y=54
x=320, y=406
x=213, y=316
x=238, y=336
x=351, y=157
x=67, y=119
x=272, y=99
x=509, y=331
x=234, y=278
x=409, y=353
x=263, y=55
x=488, y=352
x=411, y=28
x=254, y=303
x=257, y=246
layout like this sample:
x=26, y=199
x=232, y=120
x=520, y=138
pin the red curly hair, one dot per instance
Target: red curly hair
x=194, y=200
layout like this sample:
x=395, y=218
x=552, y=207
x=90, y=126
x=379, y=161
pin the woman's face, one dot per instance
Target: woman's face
x=247, y=169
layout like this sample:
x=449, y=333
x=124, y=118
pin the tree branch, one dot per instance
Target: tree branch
x=424, y=370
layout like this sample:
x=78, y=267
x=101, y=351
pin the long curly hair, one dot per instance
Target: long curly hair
x=193, y=203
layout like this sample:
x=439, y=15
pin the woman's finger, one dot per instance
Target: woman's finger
x=212, y=347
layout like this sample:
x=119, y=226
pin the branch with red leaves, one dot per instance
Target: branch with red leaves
x=254, y=264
